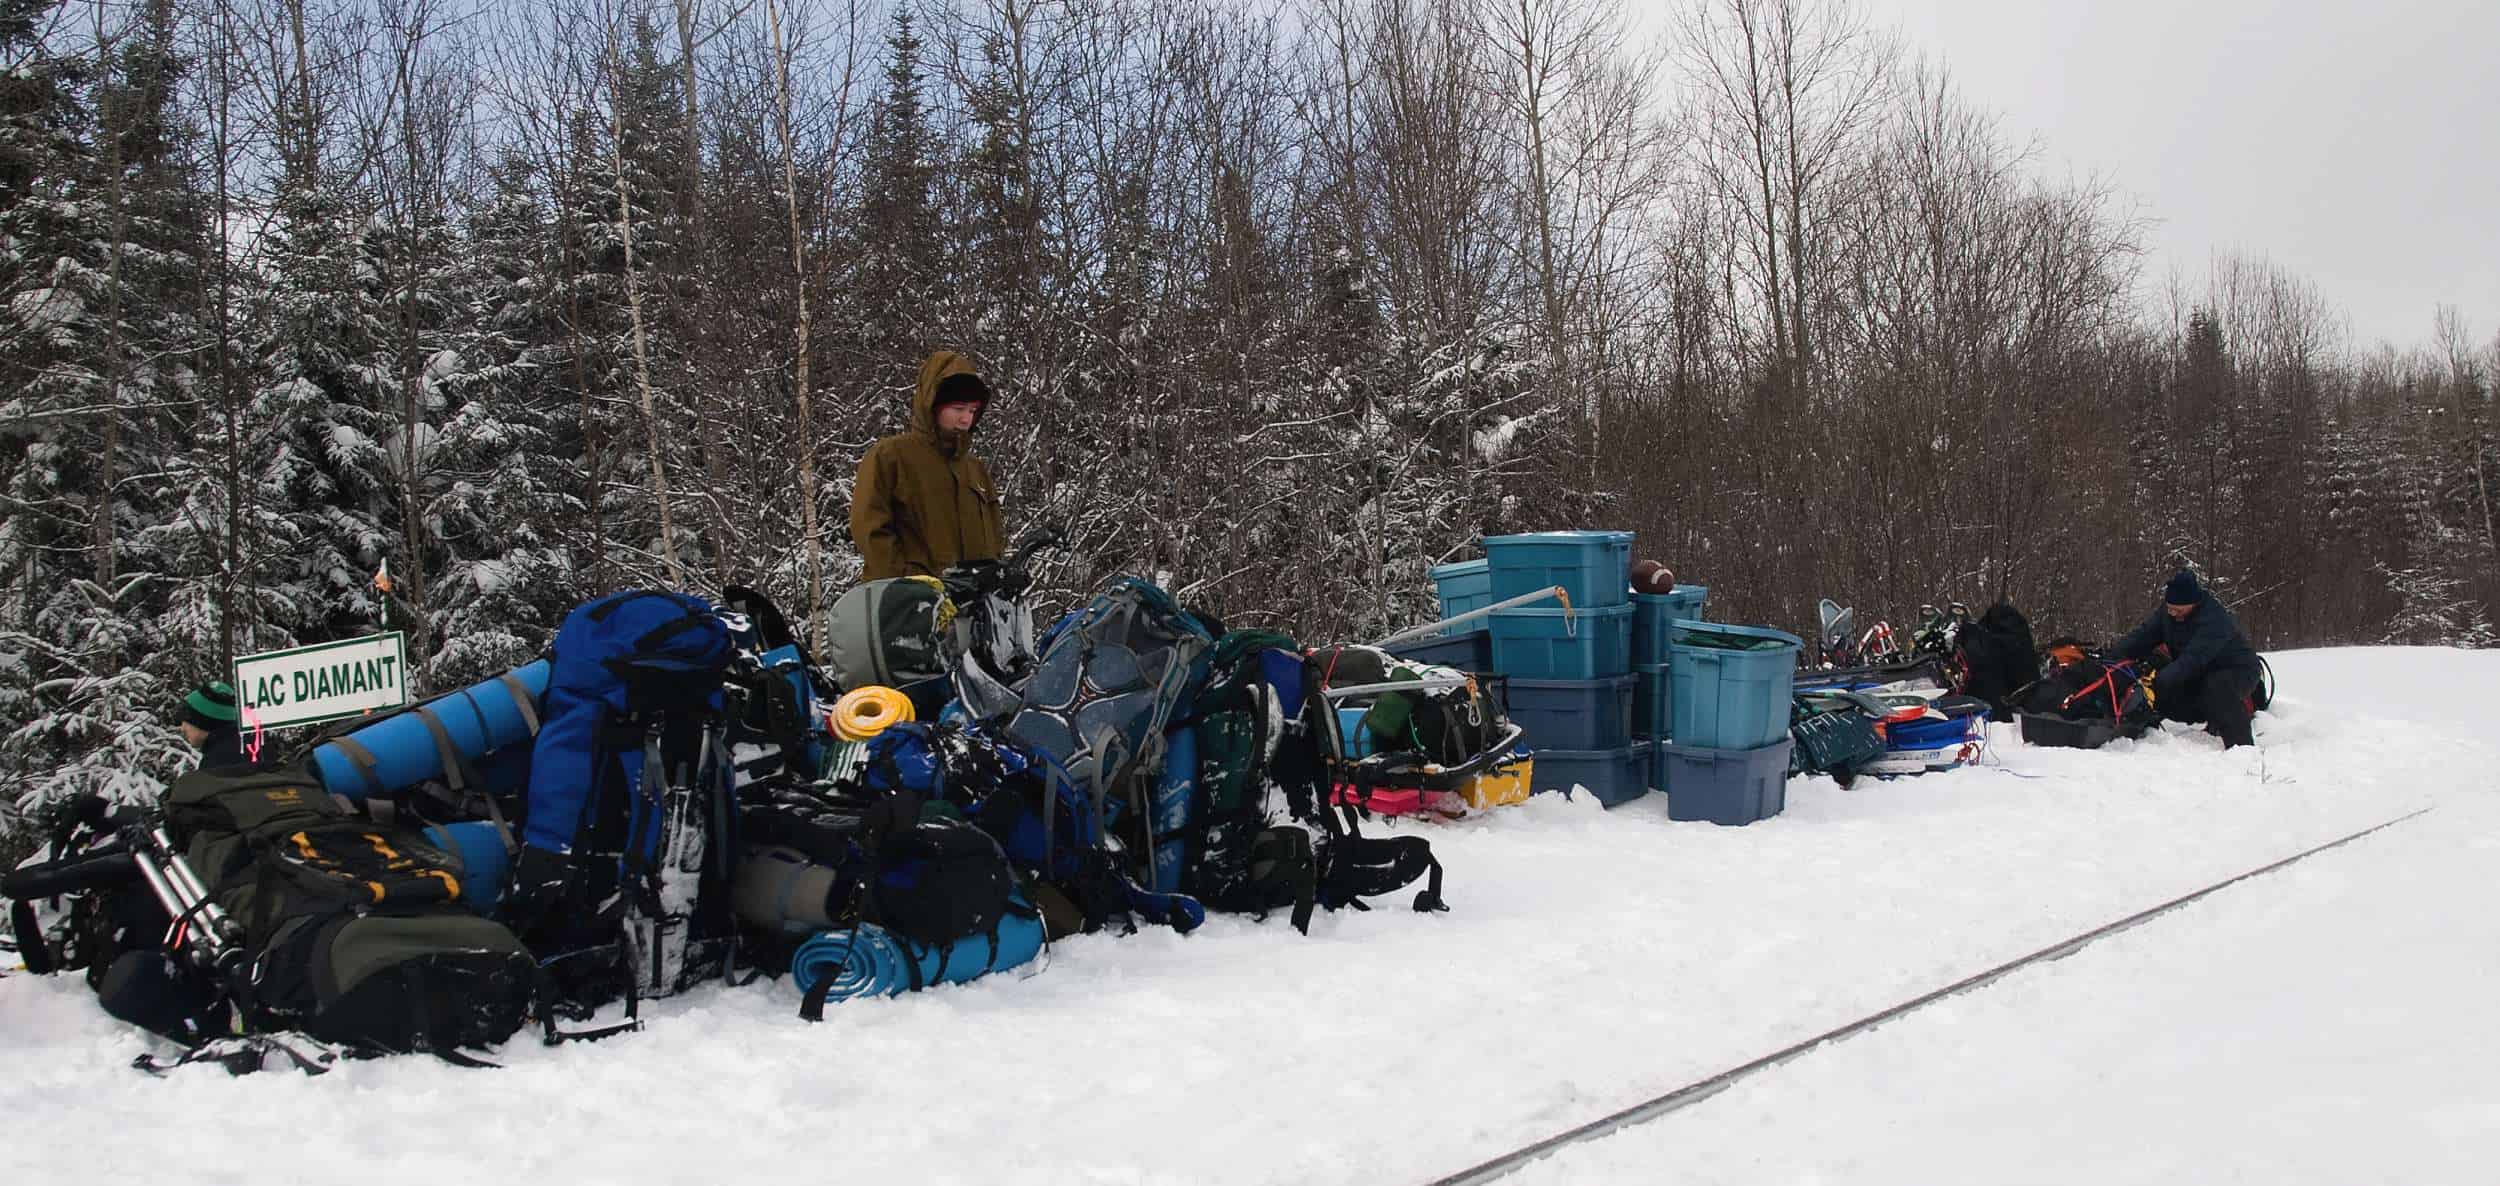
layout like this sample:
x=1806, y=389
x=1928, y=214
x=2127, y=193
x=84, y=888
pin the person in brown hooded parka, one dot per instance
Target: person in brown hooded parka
x=922, y=501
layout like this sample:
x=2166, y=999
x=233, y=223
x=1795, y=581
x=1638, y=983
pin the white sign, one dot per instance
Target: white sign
x=322, y=683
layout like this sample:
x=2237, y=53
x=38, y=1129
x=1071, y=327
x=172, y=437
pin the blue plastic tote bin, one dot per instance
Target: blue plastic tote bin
x=1464, y=586
x=1469, y=650
x=1653, y=698
x=1725, y=698
x=1722, y=786
x=1572, y=714
x=1562, y=644
x=1595, y=567
x=1612, y=776
x=1653, y=613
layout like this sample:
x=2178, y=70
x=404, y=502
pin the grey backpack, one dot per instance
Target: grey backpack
x=886, y=633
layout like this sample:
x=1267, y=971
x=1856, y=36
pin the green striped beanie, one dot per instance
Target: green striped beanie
x=210, y=706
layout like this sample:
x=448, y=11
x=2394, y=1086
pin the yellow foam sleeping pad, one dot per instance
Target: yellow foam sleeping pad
x=863, y=713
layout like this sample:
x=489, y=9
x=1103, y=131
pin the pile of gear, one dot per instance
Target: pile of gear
x=681, y=793
x=1875, y=708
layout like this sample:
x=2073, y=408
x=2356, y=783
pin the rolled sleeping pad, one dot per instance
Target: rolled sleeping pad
x=866, y=961
x=863, y=713
x=485, y=865
x=442, y=738
x=779, y=889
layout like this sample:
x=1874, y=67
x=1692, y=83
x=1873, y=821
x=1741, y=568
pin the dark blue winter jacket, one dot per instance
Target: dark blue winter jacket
x=2207, y=640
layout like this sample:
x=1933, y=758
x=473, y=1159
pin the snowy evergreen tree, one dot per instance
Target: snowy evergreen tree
x=100, y=241
x=507, y=455
x=895, y=270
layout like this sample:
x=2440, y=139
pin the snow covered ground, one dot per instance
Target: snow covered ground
x=2329, y=1023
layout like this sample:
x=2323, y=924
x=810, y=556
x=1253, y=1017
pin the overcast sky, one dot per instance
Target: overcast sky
x=2354, y=143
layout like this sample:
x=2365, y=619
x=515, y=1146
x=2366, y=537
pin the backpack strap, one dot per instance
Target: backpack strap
x=365, y=763
x=522, y=701
x=31, y=946
x=1429, y=901
x=243, y=1054
x=456, y=771
x=652, y=638
x=812, y=1006
x=543, y=1002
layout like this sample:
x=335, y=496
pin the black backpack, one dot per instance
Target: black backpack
x=1251, y=739
x=1997, y=658
x=2097, y=689
x=883, y=855
x=353, y=933
x=937, y=881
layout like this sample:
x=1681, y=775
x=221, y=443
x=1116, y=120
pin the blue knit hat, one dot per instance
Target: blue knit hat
x=2183, y=589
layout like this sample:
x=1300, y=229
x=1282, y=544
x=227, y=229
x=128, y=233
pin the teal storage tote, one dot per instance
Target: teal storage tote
x=1721, y=786
x=1464, y=586
x=1595, y=567
x=1562, y=644
x=1357, y=740
x=1653, y=699
x=1467, y=650
x=1653, y=613
x=1726, y=698
x=1611, y=776
x=1571, y=714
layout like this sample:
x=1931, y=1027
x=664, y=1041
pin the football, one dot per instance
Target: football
x=1649, y=576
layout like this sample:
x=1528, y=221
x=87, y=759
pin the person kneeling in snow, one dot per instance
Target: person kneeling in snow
x=2212, y=673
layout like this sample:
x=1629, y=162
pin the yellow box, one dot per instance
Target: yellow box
x=1496, y=788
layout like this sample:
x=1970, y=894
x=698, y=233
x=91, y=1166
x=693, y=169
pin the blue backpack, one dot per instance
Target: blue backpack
x=1044, y=822
x=1110, y=679
x=628, y=819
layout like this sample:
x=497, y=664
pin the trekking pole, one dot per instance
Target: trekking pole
x=179, y=889
x=1556, y=591
x=1440, y=683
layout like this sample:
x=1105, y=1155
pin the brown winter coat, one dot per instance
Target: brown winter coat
x=922, y=500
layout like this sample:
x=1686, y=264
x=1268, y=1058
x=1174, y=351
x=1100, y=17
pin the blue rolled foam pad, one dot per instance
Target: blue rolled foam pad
x=484, y=865
x=478, y=720
x=866, y=961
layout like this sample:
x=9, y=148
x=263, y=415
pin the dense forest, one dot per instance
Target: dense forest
x=1285, y=300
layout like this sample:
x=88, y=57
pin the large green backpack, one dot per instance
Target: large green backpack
x=355, y=933
x=1250, y=741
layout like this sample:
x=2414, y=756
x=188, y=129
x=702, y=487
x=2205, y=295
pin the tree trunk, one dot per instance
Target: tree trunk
x=801, y=332
x=642, y=349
